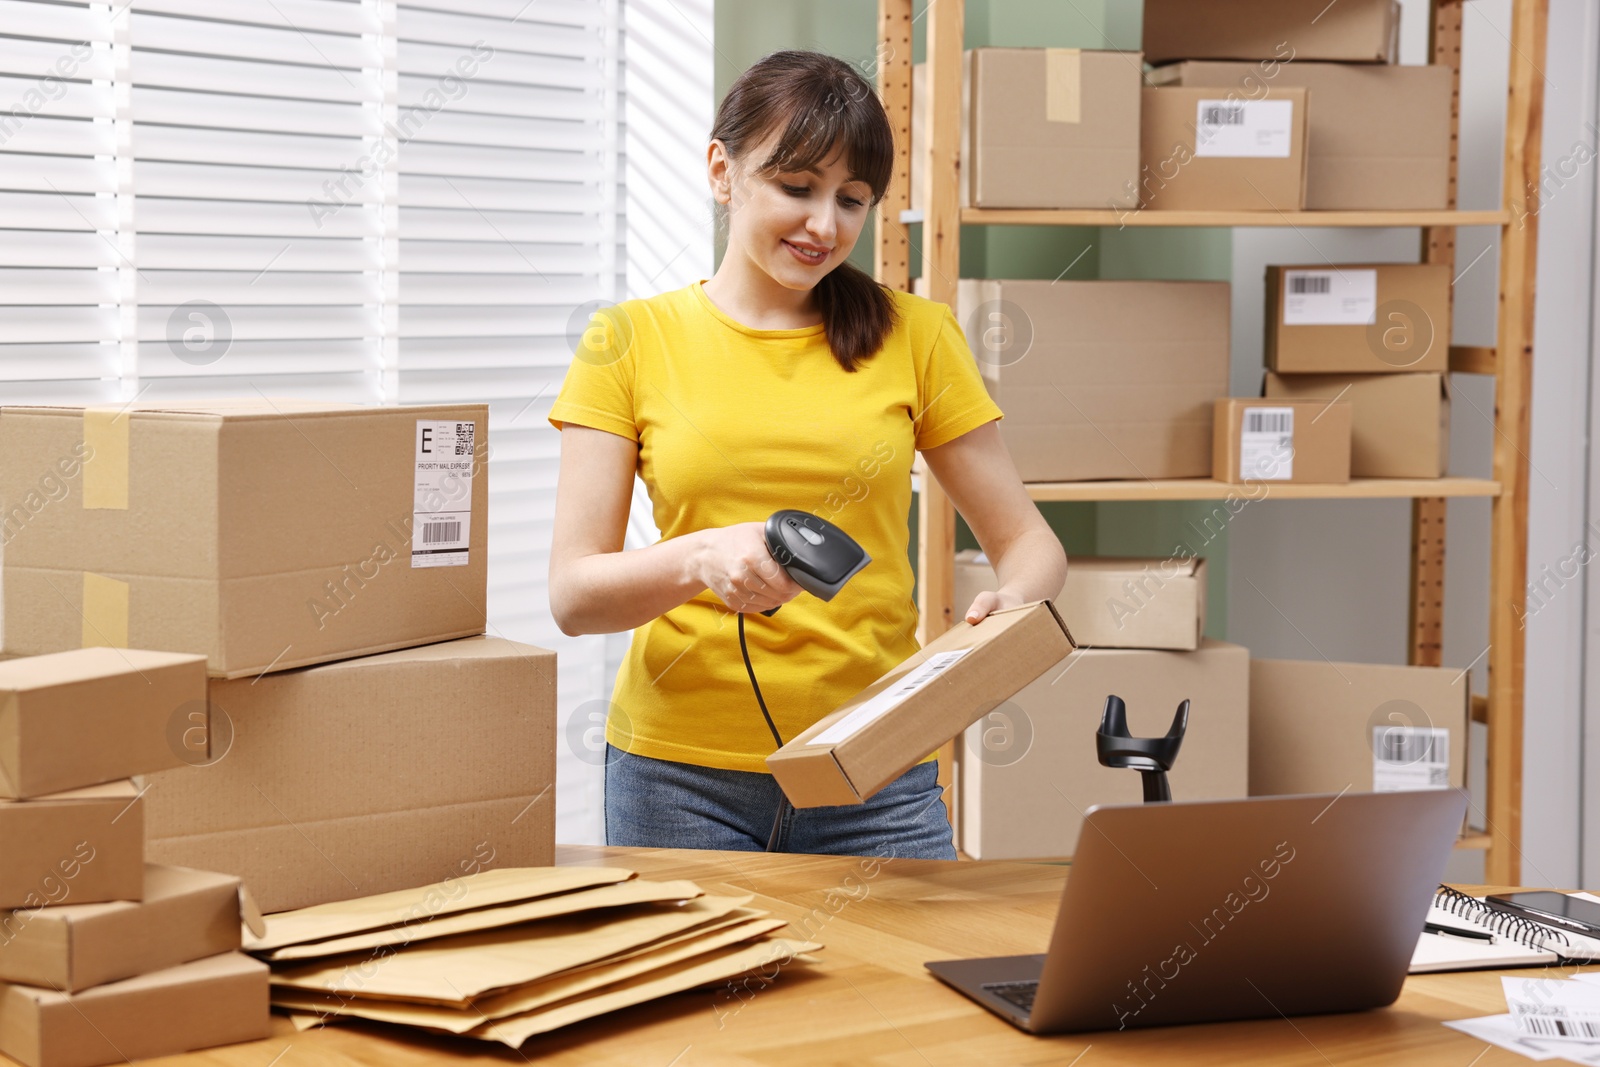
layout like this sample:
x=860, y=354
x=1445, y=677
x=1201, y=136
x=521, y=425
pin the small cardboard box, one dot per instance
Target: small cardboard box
x=369, y=774
x=908, y=713
x=1378, y=136
x=83, y=846
x=185, y=915
x=261, y=534
x=1027, y=771
x=1282, y=441
x=1212, y=149
x=215, y=1001
x=1101, y=379
x=94, y=715
x=1042, y=128
x=1399, y=423
x=1358, y=318
x=1110, y=602
x=1351, y=31
x=1319, y=727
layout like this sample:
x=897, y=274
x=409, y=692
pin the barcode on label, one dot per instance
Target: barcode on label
x=1304, y=284
x=1547, y=1026
x=435, y=532
x=1260, y=420
x=1413, y=744
x=1222, y=116
x=1410, y=757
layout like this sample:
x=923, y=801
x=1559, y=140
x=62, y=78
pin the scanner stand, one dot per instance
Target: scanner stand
x=1152, y=757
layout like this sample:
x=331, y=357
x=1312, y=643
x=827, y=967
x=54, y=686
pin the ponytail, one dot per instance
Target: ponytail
x=857, y=314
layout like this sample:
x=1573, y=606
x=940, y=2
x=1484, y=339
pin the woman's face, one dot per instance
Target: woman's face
x=796, y=225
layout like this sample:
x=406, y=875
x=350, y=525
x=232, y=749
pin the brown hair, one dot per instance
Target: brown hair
x=820, y=102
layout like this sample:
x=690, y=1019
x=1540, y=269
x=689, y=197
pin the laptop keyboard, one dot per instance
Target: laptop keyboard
x=1019, y=993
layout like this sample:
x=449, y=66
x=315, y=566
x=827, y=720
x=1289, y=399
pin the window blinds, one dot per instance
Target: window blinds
x=359, y=200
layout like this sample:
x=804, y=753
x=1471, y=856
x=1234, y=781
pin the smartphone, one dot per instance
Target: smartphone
x=1557, y=909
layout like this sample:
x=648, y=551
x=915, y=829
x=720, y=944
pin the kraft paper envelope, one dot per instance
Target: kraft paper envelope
x=516, y=1029
x=453, y=970
x=536, y=995
x=332, y=1003
x=484, y=889
x=637, y=891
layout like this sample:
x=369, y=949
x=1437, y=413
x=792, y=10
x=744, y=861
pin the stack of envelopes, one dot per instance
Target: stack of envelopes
x=505, y=954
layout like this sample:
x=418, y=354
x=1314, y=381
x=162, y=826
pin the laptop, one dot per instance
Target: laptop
x=1211, y=910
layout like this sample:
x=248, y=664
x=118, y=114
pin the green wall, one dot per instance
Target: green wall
x=748, y=29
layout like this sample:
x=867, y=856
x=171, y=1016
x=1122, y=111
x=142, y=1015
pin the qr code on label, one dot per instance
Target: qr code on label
x=465, y=432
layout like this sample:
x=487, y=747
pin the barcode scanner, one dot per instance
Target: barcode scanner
x=818, y=555
x=820, y=558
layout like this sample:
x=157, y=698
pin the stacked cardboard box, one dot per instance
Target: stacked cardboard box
x=1270, y=441
x=1321, y=727
x=263, y=535
x=1042, y=128
x=1375, y=135
x=371, y=774
x=329, y=562
x=1101, y=379
x=1375, y=335
x=1027, y=771
x=1355, y=31
x=102, y=955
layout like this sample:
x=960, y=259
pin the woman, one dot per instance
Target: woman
x=790, y=379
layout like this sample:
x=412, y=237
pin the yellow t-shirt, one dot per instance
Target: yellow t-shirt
x=733, y=424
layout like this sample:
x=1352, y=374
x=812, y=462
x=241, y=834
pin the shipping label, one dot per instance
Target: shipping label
x=441, y=519
x=1258, y=129
x=1266, y=445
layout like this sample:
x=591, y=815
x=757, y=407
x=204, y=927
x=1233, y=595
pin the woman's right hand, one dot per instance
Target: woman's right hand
x=733, y=562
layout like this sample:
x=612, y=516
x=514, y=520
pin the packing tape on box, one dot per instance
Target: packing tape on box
x=105, y=611
x=105, y=475
x=1063, y=84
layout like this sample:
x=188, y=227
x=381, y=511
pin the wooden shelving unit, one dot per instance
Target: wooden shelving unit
x=972, y=216
x=1509, y=361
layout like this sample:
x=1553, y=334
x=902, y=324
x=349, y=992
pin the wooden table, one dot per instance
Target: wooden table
x=869, y=1003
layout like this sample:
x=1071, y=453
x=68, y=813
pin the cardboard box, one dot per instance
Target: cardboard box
x=1101, y=379
x=1027, y=771
x=1399, y=423
x=82, y=847
x=1349, y=31
x=1110, y=602
x=1378, y=136
x=1041, y=128
x=1282, y=441
x=214, y=1001
x=888, y=727
x=94, y=715
x=185, y=915
x=1319, y=727
x=368, y=775
x=262, y=534
x=1358, y=318
x=1212, y=149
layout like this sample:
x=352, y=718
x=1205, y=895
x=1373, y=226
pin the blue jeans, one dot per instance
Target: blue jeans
x=654, y=803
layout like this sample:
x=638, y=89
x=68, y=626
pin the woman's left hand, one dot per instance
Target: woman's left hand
x=984, y=603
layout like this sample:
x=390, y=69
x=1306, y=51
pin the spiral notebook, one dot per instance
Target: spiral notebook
x=1517, y=941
